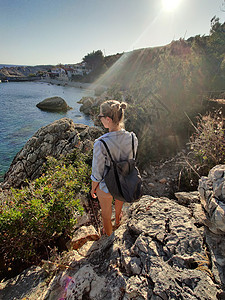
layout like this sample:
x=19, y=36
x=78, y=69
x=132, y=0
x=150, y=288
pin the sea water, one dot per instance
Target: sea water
x=20, y=118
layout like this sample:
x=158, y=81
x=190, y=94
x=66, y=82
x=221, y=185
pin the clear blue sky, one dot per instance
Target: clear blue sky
x=36, y=32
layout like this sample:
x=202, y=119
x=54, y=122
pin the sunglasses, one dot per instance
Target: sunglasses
x=100, y=116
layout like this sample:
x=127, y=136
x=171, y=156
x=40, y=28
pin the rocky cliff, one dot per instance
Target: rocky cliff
x=55, y=139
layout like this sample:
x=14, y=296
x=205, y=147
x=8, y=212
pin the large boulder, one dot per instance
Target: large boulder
x=86, y=106
x=212, y=196
x=91, y=105
x=53, y=104
x=58, y=138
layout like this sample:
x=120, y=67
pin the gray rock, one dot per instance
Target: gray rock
x=217, y=173
x=53, y=104
x=82, y=235
x=89, y=104
x=200, y=215
x=158, y=254
x=185, y=198
x=86, y=281
x=58, y=138
x=216, y=245
x=30, y=284
x=211, y=190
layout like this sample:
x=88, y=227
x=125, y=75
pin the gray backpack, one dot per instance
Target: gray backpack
x=123, y=178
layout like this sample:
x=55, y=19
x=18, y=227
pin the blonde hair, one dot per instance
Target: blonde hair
x=114, y=110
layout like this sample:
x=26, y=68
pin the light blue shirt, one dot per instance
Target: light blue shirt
x=120, y=147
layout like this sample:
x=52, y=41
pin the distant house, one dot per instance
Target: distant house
x=58, y=72
x=81, y=69
x=69, y=71
x=45, y=74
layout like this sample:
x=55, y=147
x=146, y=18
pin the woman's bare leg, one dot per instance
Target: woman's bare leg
x=118, y=210
x=105, y=200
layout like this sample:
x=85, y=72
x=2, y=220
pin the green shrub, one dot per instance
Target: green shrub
x=33, y=217
x=207, y=149
x=207, y=143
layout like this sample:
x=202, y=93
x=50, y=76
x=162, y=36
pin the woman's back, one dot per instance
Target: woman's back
x=119, y=144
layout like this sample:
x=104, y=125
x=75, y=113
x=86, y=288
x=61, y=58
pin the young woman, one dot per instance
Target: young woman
x=119, y=143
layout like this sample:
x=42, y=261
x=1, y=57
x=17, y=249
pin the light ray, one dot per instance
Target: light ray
x=105, y=79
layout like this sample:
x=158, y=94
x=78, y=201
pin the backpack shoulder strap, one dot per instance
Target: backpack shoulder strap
x=133, y=145
x=107, y=149
x=134, y=155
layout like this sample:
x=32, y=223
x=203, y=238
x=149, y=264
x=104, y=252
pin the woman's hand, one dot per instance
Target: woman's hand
x=93, y=193
x=94, y=188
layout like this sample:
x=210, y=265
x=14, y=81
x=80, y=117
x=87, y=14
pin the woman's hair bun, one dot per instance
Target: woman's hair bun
x=123, y=105
x=115, y=107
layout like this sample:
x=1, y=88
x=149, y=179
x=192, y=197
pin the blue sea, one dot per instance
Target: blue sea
x=20, y=118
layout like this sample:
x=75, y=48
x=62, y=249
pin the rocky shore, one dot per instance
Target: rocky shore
x=67, y=83
x=82, y=85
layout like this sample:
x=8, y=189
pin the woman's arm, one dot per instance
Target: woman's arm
x=98, y=166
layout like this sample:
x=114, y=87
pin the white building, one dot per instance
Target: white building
x=81, y=69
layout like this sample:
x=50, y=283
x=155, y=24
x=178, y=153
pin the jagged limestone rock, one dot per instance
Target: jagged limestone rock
x=30, y=284
x=185, y=198
x=216, y=245
x=58, y=138
x=82, y=235
x=212, y=196
x=157, y=254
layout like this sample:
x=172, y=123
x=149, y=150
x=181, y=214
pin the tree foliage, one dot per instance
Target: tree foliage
x=94, y=59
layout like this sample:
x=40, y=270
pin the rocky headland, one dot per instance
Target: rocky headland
x=166, y=247
x=56, y=139
x=21, y=72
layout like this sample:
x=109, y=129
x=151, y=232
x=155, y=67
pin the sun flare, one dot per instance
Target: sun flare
x=170, y=5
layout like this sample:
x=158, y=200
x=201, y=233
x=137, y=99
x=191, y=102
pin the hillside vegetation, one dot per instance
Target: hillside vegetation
x=166, y=87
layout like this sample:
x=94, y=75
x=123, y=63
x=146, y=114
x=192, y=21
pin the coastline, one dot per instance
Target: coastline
x=81, y=85
x=28, y=118
x=62, y=82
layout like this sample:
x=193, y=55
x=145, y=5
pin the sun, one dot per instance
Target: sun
x=170, y=5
